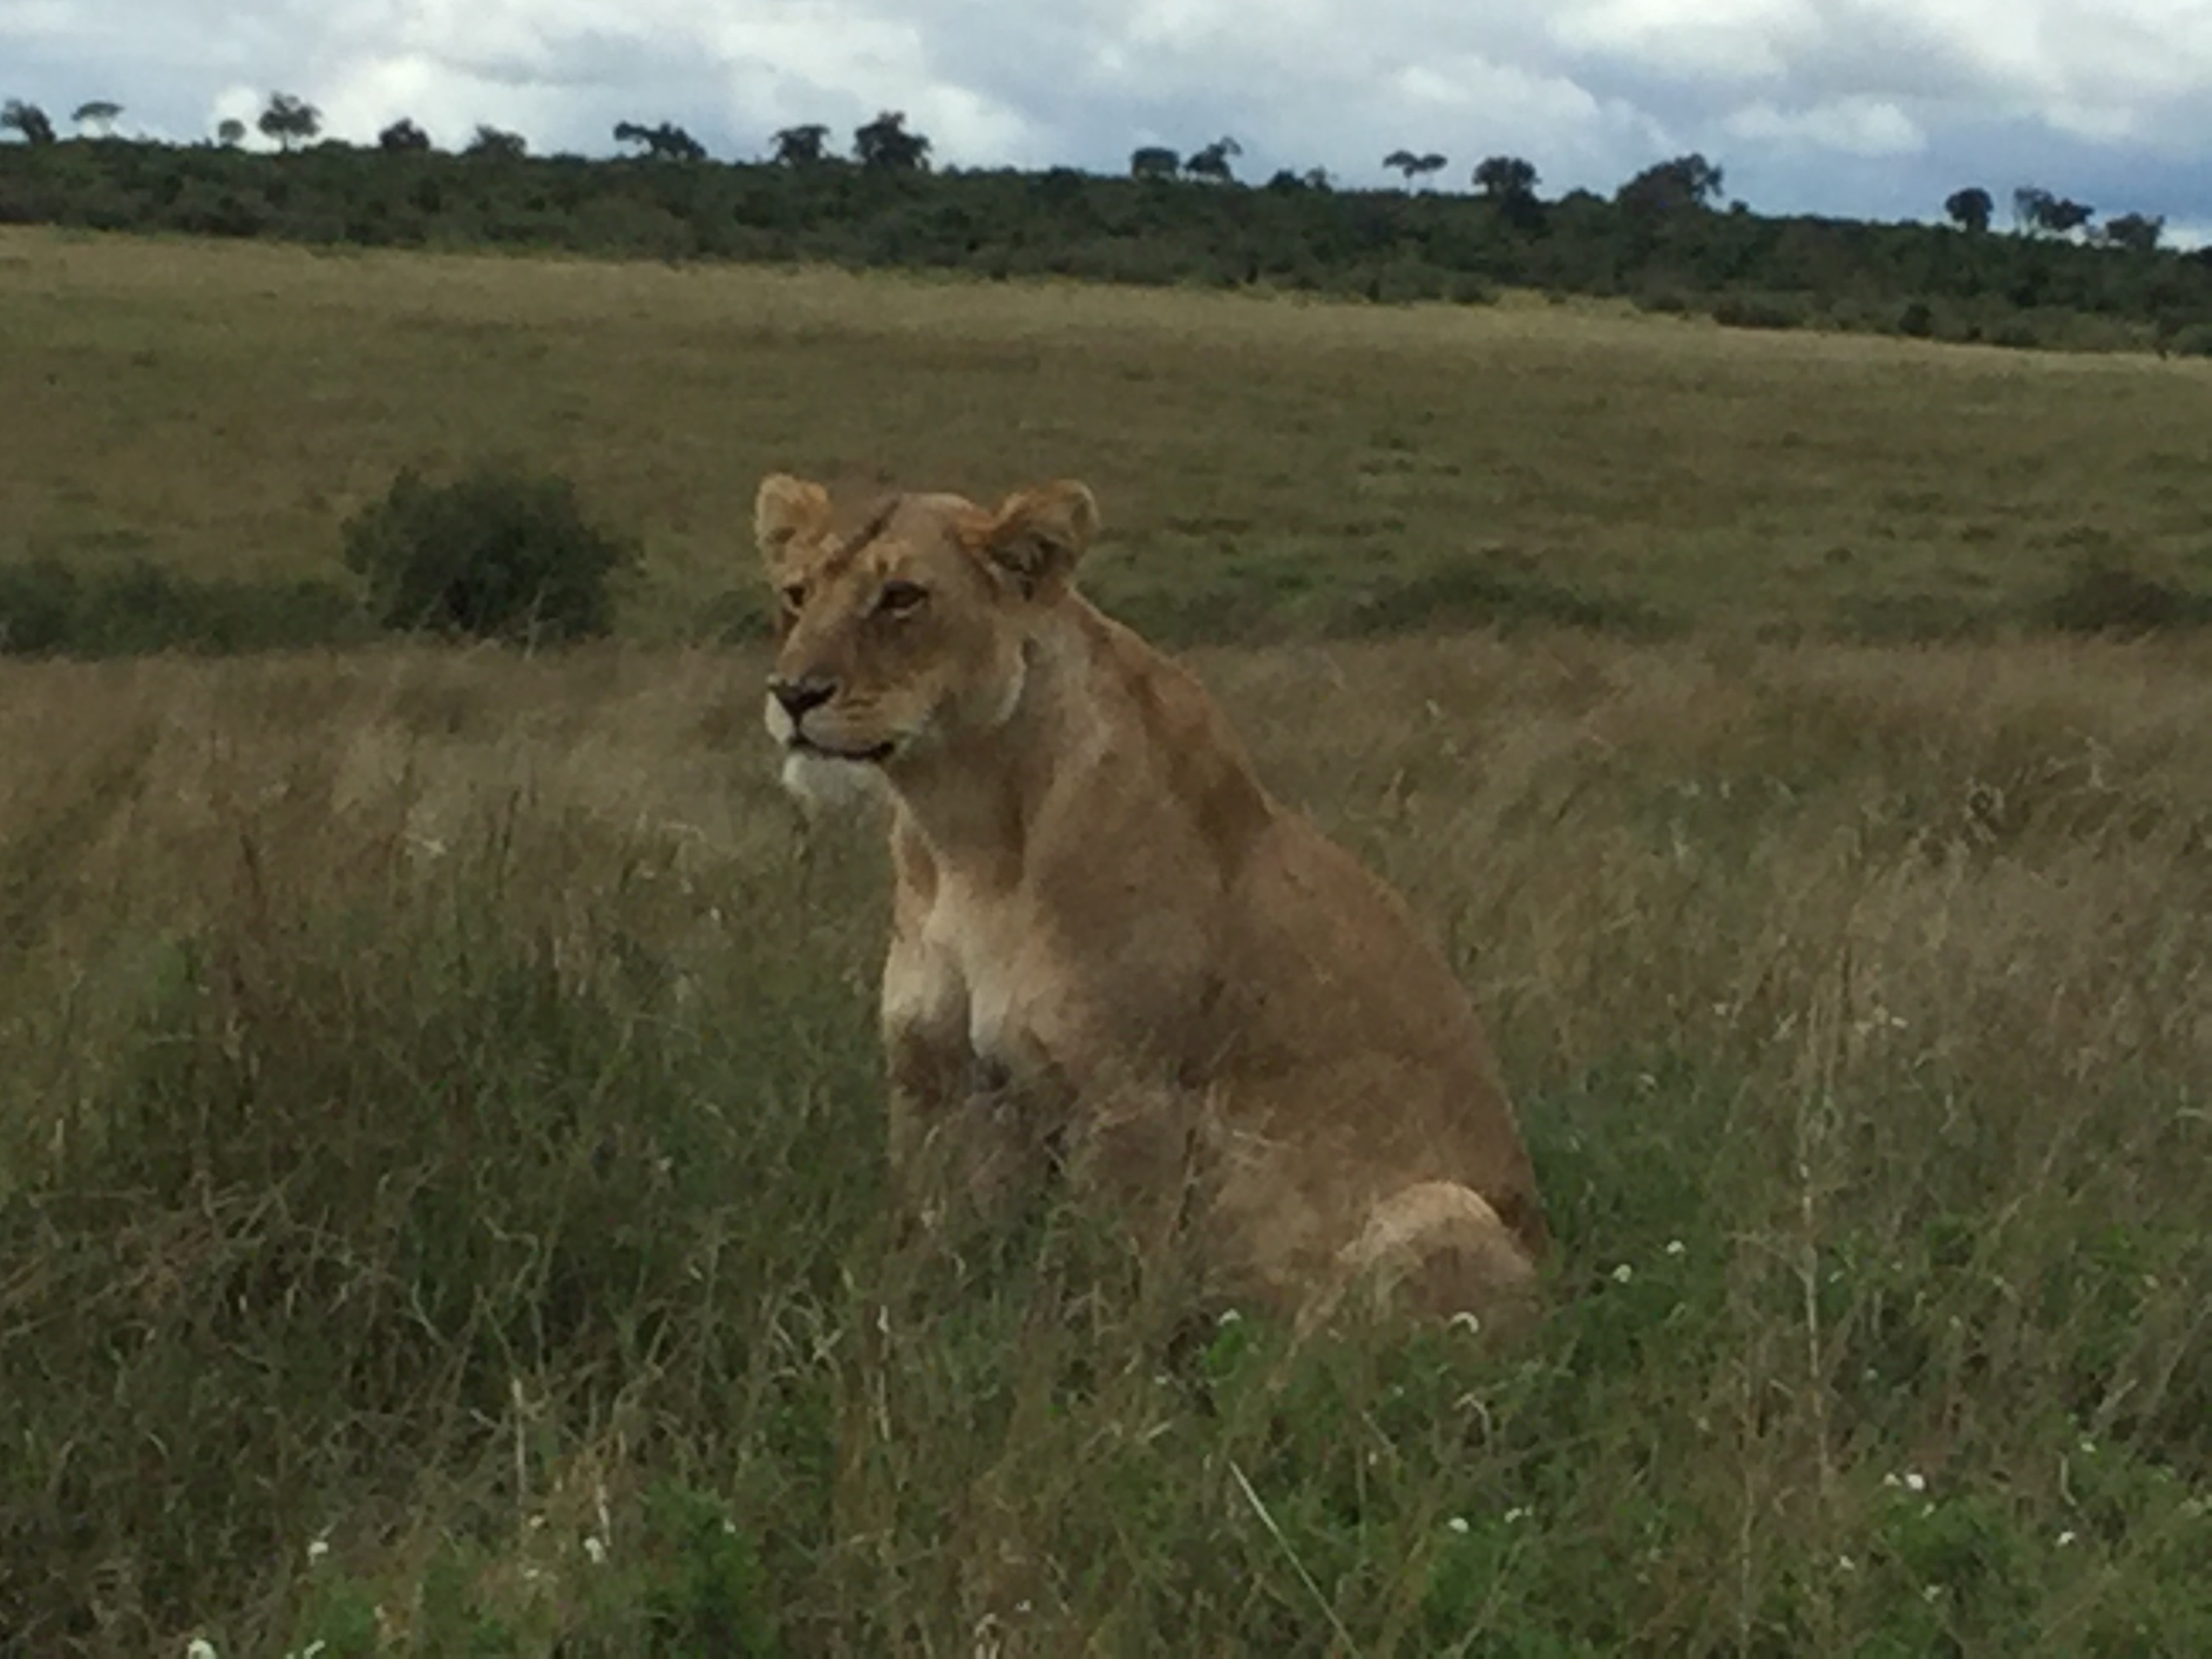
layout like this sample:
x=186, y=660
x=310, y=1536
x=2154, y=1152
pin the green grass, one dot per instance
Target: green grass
x=440, y=1106
x=1272, y=468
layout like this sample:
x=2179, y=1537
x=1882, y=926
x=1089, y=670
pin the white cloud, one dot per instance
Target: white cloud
x=1854, y=126
x=33, y=19
x=1727, y=40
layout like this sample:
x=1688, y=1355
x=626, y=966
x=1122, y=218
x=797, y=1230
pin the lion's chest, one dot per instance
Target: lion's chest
x=993, y=975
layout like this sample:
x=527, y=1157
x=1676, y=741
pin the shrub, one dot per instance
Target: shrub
x=38, y=606
x=1754, y=311
x=47, y=608
x=497, y=554
x=2103, y=597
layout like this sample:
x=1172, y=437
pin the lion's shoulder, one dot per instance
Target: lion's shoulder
x=1170, y=743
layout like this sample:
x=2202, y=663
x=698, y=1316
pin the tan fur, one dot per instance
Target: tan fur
x=1112, y=953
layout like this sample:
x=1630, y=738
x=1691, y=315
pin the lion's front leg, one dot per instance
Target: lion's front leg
x=963, y=1147
x=926, y=1064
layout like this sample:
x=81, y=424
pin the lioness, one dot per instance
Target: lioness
x=1112, y=953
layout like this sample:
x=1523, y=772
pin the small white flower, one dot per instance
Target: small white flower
x=1675, y=1247
x=1915, y=1481
x=2088, y=1449
x=316, y=1549
x=1229, y=1316
x=199, y=1648
x=1889, y=1480
x=1846, y=1564
x=1933, y=1592
x=1458, y=1524
x=2065, y=1537
x=1514, y=1515
x=1623, y=1273
x=595, y=1550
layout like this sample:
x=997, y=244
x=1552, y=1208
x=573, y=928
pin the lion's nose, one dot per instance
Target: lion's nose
x=799, y=695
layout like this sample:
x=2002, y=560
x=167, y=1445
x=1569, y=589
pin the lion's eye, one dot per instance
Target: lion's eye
x=898, y=598
x=794, y=597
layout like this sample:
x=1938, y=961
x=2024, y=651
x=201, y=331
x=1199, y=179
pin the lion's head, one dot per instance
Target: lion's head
x=909, y=629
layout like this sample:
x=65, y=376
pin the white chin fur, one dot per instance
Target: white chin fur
x=822, y=783
x=777, y=719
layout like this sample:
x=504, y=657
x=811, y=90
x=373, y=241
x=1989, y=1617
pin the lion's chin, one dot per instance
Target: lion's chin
x=824, y=782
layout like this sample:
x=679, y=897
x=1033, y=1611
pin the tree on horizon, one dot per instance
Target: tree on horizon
x=29, y=120
x=801, y=146
x=666, y=142
x=289, y=120
x=1412, y=166
x=98, y=113
x=1212, y=161
x=1969, y=209
x=886, y=144
x=493, y=143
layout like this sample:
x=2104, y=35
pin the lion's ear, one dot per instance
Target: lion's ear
x=1039, y=535
x=786, y=510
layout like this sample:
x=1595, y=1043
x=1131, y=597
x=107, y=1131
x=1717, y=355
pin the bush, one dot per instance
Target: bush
x=2102, y=596
x=498, y=554
x=1754, y=311
x=47, y=608
x=2195, y=341
x=38, y=606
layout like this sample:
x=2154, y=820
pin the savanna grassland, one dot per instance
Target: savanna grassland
x=438, y=1103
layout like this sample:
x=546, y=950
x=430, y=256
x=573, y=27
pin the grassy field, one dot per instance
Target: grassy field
x=439, y=1099
x=1267, y=468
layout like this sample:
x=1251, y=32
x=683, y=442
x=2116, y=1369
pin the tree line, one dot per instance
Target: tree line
x=1666, y=239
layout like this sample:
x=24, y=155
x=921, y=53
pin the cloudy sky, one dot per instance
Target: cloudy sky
x=1871, y=108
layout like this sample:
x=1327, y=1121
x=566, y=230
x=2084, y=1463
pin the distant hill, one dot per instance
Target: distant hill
x=1663, y=248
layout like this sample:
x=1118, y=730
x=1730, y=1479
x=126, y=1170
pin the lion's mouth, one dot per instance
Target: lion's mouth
x=802, y=744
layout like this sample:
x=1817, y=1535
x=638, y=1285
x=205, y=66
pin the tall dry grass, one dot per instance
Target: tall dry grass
x=438, y=1127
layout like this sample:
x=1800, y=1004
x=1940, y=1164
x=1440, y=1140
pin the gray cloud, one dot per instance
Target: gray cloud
x=1875, y=108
